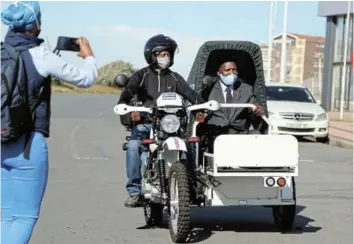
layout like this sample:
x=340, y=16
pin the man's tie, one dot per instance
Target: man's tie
x=228, y=100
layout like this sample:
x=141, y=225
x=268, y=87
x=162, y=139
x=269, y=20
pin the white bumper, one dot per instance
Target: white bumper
x=300, y=128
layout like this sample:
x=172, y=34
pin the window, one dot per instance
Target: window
x=338, y=64
x=340, y=36
x=350, y=38
x=291, y=94
x=338, y=43
x=337, y=73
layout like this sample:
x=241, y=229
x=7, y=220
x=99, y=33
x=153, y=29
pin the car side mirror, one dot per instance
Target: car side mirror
x=319, y=102
x=121, y=80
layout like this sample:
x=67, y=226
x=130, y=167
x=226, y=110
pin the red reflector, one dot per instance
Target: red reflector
x=193, y=139
x=148, y=141
x=281, y=182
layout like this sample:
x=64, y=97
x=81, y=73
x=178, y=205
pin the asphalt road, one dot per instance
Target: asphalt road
x=86, y=189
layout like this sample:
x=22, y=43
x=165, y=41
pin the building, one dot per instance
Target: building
x=304, y=60
x=334, y=58
x=264, y=48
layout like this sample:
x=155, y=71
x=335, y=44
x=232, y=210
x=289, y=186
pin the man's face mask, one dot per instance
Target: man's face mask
x=163, y=62
x=228, y=80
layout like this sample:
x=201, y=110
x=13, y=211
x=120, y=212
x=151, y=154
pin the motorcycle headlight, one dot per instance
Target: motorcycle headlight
x=321, y=117
x=170, y=123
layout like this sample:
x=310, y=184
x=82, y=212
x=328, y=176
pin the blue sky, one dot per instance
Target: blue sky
x=118, y=30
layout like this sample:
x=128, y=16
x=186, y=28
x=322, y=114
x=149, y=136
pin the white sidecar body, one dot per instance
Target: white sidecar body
x=252, y=170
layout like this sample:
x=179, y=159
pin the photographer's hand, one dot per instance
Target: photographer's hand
x=85, y=49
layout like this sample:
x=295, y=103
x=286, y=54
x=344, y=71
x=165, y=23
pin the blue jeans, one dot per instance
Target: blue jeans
x=23, y=183
x=136, y=153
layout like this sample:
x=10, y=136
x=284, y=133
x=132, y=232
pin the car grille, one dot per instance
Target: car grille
x=295, y=130
x=297, y=116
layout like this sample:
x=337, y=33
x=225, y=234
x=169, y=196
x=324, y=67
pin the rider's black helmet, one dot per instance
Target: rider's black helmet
x=159, y=43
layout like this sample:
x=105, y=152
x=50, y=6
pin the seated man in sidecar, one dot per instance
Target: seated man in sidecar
x=228, y=88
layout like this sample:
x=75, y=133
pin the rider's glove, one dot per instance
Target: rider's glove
x=135, y=116
x=200, y=117
x=259, y=111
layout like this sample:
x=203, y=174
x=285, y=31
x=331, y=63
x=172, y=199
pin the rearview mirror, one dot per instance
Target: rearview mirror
x=121, y=80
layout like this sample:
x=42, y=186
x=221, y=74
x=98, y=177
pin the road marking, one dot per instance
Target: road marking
x=99, y=148
x=307, y=160
x=78, y=126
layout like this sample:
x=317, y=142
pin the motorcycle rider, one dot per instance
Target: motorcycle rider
x=149, y=82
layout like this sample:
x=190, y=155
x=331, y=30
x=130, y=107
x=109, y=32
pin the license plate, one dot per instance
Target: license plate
x=297, y=125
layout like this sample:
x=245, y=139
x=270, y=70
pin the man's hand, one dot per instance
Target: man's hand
x=135, y=116
x=259, y=111
x=200, y=117
x=85, y=49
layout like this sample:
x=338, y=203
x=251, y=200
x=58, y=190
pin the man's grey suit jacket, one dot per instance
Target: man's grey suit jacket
x=238, y=117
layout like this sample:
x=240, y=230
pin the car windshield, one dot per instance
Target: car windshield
x=291, y=94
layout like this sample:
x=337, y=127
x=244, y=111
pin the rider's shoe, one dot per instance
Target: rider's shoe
x=133, y=202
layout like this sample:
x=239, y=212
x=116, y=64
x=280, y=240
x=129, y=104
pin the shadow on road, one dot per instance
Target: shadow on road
x=239, y=219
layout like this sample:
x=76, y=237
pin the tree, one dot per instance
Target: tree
x=108, y=72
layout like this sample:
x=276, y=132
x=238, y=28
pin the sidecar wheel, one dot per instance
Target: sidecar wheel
x=153, y=213
x=179, y=216
x=284, y=215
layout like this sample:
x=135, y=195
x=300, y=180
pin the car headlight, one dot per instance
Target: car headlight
x=170, y=123
x=322, y=116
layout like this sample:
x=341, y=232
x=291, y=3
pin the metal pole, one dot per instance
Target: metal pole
x=320, y=76
x=344, y=63
x=270, y=41
x=283, y=47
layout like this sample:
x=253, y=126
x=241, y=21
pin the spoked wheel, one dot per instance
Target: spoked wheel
x=153, y=213
x=179, y=218
x=284, y=215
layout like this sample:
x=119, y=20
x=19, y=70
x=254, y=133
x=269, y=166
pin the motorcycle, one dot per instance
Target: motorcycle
x=166, y=172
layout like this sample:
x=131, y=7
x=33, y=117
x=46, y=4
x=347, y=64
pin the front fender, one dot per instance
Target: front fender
x=174, y=144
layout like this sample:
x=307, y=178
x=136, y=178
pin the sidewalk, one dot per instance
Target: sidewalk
x=341, y=132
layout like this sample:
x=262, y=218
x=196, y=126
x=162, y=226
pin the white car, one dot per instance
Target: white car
x=293, y=110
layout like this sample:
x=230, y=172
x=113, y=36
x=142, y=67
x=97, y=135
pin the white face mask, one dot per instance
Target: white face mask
x=228, y=80
x=163, y=62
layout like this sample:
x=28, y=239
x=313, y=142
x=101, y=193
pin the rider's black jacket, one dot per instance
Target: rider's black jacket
x=149, y=84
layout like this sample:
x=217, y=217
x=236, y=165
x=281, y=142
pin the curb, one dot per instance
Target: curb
x=340, y=143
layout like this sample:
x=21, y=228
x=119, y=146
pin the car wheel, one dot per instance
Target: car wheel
x=299, y=138
x=324, y=140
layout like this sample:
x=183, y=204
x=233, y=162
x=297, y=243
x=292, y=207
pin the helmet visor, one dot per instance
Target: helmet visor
x=159, y=49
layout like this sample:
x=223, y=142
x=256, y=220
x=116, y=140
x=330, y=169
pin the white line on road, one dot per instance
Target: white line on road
x=307, y=160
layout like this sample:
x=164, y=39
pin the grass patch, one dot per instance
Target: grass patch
x=95, y=89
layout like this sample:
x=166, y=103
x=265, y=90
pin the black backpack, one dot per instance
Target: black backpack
x=16, y=112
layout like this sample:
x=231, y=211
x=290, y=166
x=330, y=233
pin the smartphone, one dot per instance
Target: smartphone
x=67, y=44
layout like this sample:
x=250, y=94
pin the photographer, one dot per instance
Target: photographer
x=24, y=162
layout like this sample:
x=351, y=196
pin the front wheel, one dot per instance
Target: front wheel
x=179, y=218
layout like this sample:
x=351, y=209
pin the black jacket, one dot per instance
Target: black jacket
x=148, y=84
